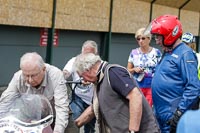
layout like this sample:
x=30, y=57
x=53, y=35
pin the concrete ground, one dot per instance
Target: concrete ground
x=71, y=128
x=96, y=129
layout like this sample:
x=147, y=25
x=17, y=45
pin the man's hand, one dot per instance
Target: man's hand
x=174, y=121
x=85, y=82
x=85, y=117
x=66, y=74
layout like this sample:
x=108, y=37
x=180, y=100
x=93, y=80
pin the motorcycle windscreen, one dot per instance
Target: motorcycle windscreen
x=31, y=110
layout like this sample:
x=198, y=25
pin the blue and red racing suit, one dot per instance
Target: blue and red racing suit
x=175, y=84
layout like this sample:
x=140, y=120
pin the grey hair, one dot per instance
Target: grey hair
x=90, y=43
x=85, y=62
x=32, y=57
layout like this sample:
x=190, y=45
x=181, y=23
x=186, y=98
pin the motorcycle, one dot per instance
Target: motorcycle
x=27, y=113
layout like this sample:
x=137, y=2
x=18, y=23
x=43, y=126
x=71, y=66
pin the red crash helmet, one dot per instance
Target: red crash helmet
x=169, y=27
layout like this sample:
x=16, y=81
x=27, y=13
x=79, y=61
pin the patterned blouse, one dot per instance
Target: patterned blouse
x=148, y=62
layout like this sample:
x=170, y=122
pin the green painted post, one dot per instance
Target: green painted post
x=108, y=35
x=51, y=36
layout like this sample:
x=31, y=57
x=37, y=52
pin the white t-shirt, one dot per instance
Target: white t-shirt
x=84, y=92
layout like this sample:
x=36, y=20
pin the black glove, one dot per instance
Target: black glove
x=174, y=120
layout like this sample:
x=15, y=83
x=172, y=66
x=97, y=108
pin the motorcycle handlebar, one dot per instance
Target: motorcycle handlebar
x=72, y=82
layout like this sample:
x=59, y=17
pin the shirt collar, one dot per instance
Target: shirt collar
x=100, y=73
x=44, y=82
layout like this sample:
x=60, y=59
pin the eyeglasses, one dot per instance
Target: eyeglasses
x=142, y=38
x=33, y=76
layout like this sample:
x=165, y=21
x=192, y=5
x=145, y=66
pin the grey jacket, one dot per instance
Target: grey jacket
x=114, y=109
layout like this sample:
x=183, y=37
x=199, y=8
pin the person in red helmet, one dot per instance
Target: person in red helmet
x=175, y=85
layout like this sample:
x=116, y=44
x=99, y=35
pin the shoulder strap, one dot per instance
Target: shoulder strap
x=116, y=65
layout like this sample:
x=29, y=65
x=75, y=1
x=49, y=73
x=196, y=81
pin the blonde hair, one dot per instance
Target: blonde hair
x=140, y=32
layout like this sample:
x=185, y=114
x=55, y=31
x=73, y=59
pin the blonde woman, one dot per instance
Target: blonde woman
x=142, y=62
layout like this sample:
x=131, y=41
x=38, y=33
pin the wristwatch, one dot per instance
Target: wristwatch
x=132, y=131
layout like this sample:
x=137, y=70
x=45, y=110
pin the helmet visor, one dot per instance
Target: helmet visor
x=147, y=31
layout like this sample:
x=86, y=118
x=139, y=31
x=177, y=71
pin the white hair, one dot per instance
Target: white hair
x=32, y=57
x=90, y=43
x=84, y=62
